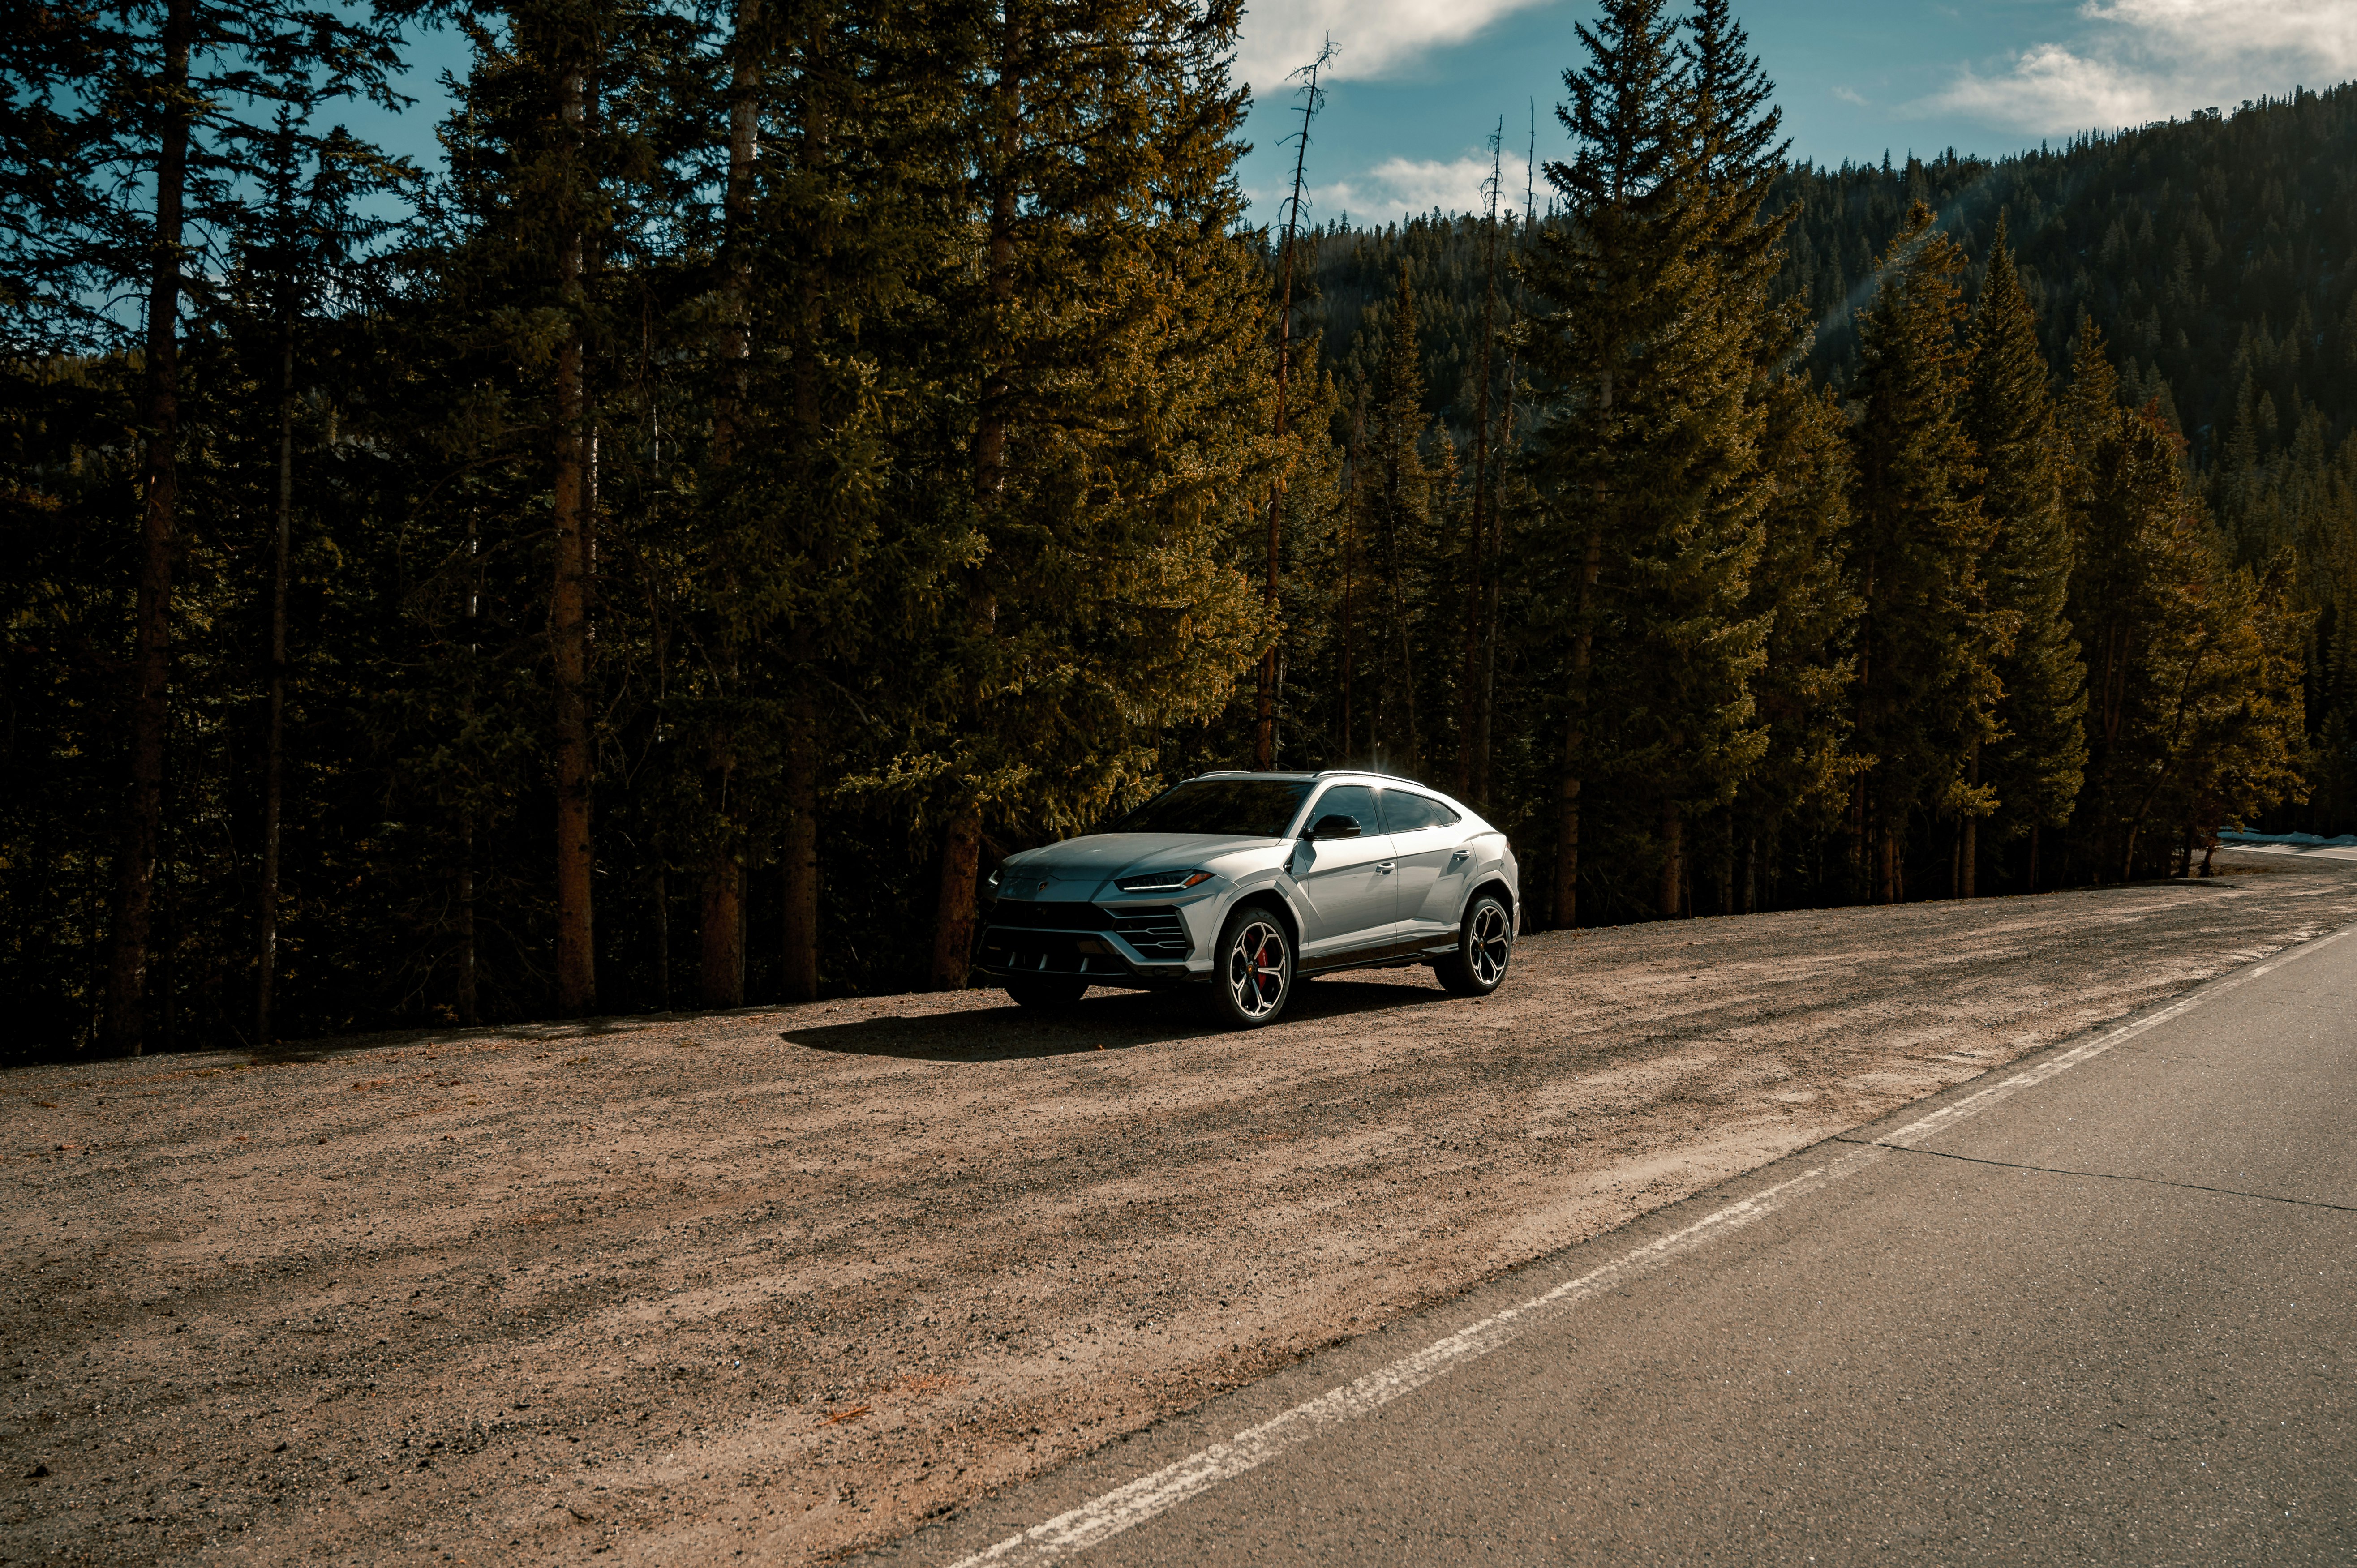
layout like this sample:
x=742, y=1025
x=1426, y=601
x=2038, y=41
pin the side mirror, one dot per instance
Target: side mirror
x=1333, y=826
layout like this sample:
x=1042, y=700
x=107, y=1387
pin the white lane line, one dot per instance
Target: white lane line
x=1948, y=1115
x=1112, y=1512
x=1141, y=1500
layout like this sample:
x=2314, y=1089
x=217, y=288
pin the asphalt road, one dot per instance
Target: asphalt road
x=2102, y=1306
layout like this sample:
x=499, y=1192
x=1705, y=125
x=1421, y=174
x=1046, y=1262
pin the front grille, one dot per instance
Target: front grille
x=1034, y=939
x=1157, y=933
x=1050, y=916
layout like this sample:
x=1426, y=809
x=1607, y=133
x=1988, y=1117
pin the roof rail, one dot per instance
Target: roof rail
x=1371, y=773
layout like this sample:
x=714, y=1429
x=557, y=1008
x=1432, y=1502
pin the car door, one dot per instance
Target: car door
x=1346, y=883
x=1435, y=865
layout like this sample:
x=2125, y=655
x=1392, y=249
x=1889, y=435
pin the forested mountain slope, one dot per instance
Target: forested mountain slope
x=2216, y=254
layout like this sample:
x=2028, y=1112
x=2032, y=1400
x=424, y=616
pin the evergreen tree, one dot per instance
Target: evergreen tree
x=1654, y=446
x=1397, y=496
x=121, y=153
x=1794, y=795
x=1927, y=680
x=1102, y=435
x=558, y=171
x=2035, y=765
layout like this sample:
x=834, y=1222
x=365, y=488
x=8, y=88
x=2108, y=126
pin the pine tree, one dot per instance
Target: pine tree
x=1598, y=274
x=1794, y=794
x=556, y=177
x=122, y=152
x=1397, y=495
x=1655, y=445
x=1101, y=439
x=1927, y=681
x=2035, y=767
x=828, y=200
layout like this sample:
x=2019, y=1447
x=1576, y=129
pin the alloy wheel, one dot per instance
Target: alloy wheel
x=1493, y=943
x=1257, y=969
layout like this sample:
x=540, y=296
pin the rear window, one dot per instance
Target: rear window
x=1231, y=807
x=1407, y=813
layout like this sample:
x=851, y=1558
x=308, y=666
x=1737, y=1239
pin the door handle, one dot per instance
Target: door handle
x=1384, y=867
x=1460, y=854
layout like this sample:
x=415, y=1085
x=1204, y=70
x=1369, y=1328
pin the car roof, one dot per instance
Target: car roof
x=1367, y=773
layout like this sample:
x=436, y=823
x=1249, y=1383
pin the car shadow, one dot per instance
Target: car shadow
x=1101, y=1021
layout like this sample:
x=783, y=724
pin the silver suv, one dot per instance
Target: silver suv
x=1246, y=881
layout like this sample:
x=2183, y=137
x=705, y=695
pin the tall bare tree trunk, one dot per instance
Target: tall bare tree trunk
x=1349, y=567
x=1968, y=841
x=1669, y=899
x=720, y=978
x=798, y=853
x=662, y=939
x=953, y=912
x=954, y=908
x=720, y=929
x=273, y=766
x=1723, y=901
x=1485, y=719
x=1583, y=645
x=806, y=728
x=469, y=1009
x=1264, y=725
x=576, y=964
x=1469, y=695
x=142, y=816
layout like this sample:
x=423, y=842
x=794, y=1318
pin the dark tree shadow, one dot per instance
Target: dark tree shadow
x=1104, y=1021
x=550, y=1033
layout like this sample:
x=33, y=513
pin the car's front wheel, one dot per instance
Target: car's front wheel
x=1048, y=991
x=1485, y=945
x=1253, y=969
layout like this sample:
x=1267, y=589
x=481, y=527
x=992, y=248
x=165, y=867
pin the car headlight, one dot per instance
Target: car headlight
x=1160, y=881
x=990, y=884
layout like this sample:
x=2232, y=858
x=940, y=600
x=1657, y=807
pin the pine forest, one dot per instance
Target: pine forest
x=788, y=456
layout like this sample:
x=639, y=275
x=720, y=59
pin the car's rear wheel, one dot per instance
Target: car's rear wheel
x=1047, y=989
x=1252, y=971
x=1485, y=946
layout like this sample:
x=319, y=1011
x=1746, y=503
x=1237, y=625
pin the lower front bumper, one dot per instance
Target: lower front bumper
x=1018, y=947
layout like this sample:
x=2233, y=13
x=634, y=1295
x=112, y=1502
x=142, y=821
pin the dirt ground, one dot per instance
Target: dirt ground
x=779, y=1283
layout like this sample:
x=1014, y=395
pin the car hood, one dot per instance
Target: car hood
x=1079, y=868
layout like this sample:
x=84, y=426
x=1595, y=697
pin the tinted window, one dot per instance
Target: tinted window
x=1353, y=800
x=1407, y=813
x=1234, y=808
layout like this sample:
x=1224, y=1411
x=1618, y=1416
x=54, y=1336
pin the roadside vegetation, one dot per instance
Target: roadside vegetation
x=791, y=454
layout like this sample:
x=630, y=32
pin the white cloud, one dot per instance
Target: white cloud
x=2138, y=60
x=1371, y=38
x=1393, y=187
x=1851, y=95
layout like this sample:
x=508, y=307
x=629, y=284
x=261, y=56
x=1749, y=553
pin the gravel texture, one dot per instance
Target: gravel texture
x=781, y=1283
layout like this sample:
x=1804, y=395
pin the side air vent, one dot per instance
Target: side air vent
x=1157, y=933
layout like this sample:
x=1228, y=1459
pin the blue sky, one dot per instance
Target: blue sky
x=1418, y=85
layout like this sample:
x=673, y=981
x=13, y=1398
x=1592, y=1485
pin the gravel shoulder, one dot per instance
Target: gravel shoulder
x=781, y=1283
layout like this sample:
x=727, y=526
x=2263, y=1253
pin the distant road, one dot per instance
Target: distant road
x=2102, y=1306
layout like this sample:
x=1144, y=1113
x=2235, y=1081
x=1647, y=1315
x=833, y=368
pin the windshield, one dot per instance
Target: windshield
x=1231, y=808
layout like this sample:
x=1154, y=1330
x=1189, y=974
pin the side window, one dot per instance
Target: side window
x=1354, y=801
x=1407, y=813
